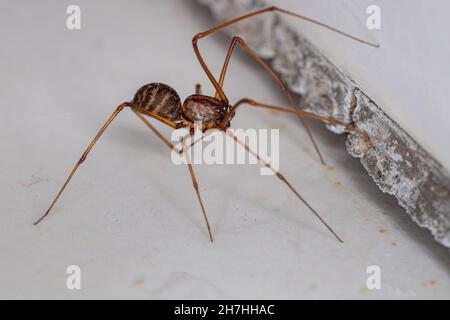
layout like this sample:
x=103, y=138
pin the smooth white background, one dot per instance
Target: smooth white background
x=130, y=219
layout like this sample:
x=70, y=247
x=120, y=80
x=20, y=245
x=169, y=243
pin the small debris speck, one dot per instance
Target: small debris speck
x=382, y=230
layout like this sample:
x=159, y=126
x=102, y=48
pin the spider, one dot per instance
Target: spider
x=161, y=102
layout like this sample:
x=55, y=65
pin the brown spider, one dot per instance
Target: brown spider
x=161, y=102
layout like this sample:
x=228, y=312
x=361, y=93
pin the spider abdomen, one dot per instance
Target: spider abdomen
x=159, y=99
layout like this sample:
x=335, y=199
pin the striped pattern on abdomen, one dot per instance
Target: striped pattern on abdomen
x=160, y=99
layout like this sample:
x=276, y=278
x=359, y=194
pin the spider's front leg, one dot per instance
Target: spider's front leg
x=304, y=114
x=238, y=40
x=218, y=85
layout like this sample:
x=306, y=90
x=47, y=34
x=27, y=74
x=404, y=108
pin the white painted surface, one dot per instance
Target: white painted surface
x=130, y=219
x=409, y=76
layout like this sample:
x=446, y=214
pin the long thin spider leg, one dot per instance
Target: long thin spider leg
x=158, y=134
x=238, y=40
x=217, y=85
x=83, y=158
x=195, y=184
x=285, y=181
x=249, y=15
x=283, y=11
x=154, y=130
x=253, y=103
x=193, y=143
x=170, y=123
x=350, y=127
x=191, y=170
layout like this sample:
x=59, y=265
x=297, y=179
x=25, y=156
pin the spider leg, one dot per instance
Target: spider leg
x=154, y=130
x=170, y=123
x=195, y=184
x=191, y=169
x=238, y=40
x=253, y=103
x=284, y=180
x=217, y=85
x=83, y=158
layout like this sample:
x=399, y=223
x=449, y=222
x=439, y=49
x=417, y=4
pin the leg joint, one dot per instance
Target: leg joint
x=238, y=39
x=196, y=38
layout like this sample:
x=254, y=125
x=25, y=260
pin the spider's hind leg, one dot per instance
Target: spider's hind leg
x=83, y=159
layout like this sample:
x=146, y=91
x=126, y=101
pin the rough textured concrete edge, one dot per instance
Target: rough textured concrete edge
x=397, y=164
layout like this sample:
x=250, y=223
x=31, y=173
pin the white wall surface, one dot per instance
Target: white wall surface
x=130, y=218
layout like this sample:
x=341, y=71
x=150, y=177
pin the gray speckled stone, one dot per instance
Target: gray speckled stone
x=397, y=164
